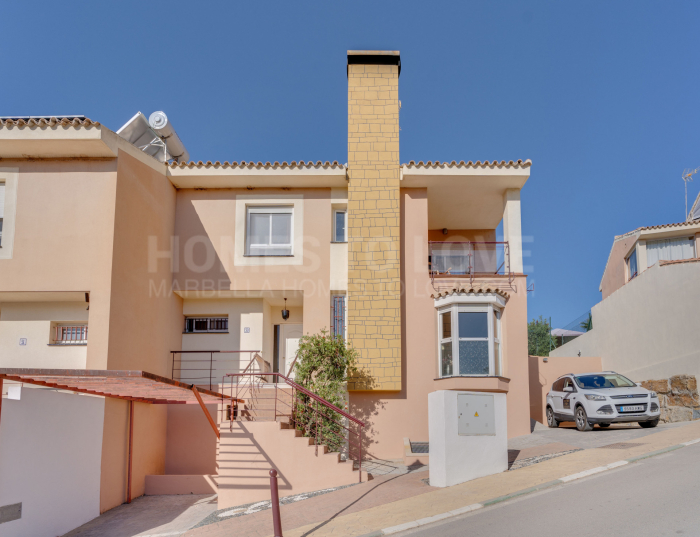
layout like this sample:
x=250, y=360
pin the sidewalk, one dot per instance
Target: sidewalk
x=391, y=501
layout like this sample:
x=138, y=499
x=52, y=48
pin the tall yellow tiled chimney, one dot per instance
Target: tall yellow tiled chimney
x=374, y=284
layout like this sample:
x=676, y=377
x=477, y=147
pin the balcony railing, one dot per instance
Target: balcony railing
x=471, y=259
x=204, y=368
x=67, y=335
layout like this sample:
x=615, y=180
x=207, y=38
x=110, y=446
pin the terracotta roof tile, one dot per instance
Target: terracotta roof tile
x=48, y=122
x=250, y=164
x=668, y=225
x=662, y=226
x=470, y=164
x=480, y=291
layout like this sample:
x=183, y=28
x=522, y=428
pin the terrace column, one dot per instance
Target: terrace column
x=511, y=228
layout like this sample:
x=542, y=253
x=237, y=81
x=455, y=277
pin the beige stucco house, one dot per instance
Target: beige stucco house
x=646, y=325
x=402, y=259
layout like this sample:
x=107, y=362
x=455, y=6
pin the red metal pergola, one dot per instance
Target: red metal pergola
x=131, y=386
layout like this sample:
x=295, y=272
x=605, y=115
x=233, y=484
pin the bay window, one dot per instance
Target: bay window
x=470, y=340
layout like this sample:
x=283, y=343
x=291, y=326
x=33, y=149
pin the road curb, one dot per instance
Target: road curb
x=566, y=479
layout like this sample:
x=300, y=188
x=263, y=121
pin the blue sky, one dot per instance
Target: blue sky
x=602, y=96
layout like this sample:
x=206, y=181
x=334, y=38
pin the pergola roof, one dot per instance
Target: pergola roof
x=137, y=386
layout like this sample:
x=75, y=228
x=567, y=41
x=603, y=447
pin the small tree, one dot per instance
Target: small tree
x=539, y=337
x=587, y=325
x=323, y=366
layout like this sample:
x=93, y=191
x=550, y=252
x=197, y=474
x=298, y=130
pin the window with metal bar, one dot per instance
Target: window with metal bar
x=71, y=334
x=338, y=316
x=195, y=325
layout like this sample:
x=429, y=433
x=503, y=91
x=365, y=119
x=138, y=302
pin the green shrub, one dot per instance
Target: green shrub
x=324, y=363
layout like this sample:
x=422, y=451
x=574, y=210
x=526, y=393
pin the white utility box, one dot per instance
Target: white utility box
x=468, y=436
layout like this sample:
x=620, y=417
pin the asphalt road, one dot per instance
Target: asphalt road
x=652, y=498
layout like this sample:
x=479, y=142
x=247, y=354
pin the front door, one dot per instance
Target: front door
x=291, y=334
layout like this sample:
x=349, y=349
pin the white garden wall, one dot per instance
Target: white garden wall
x=50, y=457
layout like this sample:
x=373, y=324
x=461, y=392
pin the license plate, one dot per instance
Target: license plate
x=637, y=408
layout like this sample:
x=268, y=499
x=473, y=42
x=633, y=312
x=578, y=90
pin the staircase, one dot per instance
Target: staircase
x=265, y=403
x=262, y=436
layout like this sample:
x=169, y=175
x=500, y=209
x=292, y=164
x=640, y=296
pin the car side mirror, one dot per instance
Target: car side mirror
x=638, y=383
x=568, y=388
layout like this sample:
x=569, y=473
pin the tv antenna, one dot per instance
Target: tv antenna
x=687, y=178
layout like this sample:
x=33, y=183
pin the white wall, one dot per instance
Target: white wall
x=454, y=458
x=648, y=328
x=242, y=313
x=32, y=320
x=512, y=228
x=50, y=457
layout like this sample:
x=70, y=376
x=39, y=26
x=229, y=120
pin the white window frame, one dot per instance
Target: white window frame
x=10, y=177
x=494, y=334
x=498, y=338
x=652, y=242
x=443, y=340
x=628, y=268
x=335, y=220
x=270, y=209
x=2, y=206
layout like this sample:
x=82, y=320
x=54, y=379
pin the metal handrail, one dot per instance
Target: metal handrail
x=470, y=252
x=304, y=391
x=307, y=415
x=211, y=366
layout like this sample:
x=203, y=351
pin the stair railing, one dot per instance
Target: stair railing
x=308, y=412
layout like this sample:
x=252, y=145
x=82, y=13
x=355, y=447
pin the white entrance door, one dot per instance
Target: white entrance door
x=291, y=334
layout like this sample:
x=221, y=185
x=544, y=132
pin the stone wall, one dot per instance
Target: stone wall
x=678, y=397
x=374, y=285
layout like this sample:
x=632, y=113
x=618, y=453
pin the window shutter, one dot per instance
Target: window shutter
x=2, y=200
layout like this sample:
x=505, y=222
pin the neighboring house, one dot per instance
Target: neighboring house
x=402, y=259
x=646, y=325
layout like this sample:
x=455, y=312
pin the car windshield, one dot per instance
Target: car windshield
x=604, y=381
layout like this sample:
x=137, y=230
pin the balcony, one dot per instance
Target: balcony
x=448, y=259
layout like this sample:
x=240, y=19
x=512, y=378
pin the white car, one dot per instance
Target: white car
x=600, y=398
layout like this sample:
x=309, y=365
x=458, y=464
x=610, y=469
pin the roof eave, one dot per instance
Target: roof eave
x=258, y=175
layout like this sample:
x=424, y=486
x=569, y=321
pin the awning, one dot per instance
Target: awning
x=131, y=386
x=558, y=332
x=137, y=386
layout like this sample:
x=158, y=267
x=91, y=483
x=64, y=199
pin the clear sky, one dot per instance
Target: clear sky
x=602, y=96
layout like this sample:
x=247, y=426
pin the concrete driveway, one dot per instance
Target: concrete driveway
x=545, y=443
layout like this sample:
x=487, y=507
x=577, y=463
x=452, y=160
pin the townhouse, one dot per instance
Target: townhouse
x=644, y=326
x=113, y=260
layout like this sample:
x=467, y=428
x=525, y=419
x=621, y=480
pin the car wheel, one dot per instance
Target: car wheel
x=603, y=425
x=582, y=420
x=649, y=424
x=551, y=420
